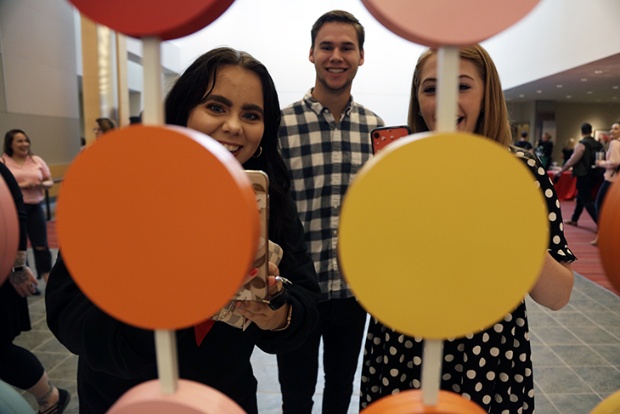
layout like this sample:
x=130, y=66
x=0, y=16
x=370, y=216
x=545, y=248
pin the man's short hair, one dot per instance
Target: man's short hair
x=586, y=128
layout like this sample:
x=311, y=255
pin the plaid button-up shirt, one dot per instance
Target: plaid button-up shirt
x=323, y=156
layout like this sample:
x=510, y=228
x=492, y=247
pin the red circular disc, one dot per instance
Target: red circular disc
x=161, y=18
x=9, y=236
x=157, y=225
x=609, y=235
x=410, y=402
x=439, y=23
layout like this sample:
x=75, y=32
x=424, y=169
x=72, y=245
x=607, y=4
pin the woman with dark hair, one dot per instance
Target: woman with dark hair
x=231, y=97
x=491, y=367
x=103, y=125
x=33, y=176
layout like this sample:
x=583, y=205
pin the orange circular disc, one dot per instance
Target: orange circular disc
x=157, y=225
x=161, y=18
x=410, y=402
x=446, y=22
x=190, y=398
x=9, y=236
x=609, y=235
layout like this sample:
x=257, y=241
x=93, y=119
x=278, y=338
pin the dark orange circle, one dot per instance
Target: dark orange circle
x=609, y=235
x=157, y=225
x=410, y=402
x=9, y=236
x=162, y=18
x=446, y=22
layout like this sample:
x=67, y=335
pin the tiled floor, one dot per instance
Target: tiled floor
x=576, y=354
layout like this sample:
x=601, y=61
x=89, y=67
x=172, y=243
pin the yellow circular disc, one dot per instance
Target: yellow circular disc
x=441, y=235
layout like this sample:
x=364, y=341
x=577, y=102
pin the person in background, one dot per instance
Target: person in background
x=18, y=366
x=103, y=125
x=325, y=139
x=492, y=367
x=33, y=176
x=611, y=164
x=588, y=178
x=544, y=150
x=230, y=96
x=523, y=142
x=568, y=150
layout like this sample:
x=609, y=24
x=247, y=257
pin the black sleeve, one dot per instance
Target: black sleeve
x=18, y=199
x=106, y=344
x=297, y=266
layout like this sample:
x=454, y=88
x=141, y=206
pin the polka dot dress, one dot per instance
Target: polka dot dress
x=492, y=368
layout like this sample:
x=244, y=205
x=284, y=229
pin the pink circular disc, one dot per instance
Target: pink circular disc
x=9, y=235
x=190, y=398
x=162, y=18
x=437, y=23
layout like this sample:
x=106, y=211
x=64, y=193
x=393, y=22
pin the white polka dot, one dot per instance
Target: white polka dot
x=385, y=381
x=393, y=351
x=490, y=375
x=494, y=351
x=508, y=354
x=486, y=399
x=417, y=361
x=416, y=384
x=394, y=372
x=476, y=350
x=471, y=374
x=446, y=377
x=548, y=193
x=553, y=216
x=498, y=327
x=482, y=362
x=448, y=358
x=503, y=377
x=456, y=388
x=519, y=378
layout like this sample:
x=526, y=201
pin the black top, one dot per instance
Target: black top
x=585, y=164
x=114, y=357
x=14, y=316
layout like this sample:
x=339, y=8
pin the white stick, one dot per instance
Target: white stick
x=431, y=371
x=167, y=362
x=447, y=88
x=153, y=107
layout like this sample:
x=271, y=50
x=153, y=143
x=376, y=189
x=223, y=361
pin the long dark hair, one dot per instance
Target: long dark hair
x=191, y=90
x=8, y=141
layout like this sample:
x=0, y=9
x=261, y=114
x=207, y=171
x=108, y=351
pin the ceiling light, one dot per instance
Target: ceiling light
x=521, y=96
x=568, y=96
x=598, y=72
x=558, y=86
x=614, y=87
x=589, y=92
x=539, y=91
x=584, y=79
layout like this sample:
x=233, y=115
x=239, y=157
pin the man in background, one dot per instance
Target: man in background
x=523, y=142
x=325, y=139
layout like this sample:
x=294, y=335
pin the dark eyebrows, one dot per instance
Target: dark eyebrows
x=332, y=44
x=228, y=102
x=434, y=80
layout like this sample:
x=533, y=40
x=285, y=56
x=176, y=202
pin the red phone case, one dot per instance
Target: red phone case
x=382, y=136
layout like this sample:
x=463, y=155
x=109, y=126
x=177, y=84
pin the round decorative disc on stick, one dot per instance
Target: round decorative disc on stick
x=429, y=229
x=160, y=18
x=9, y=233
x=190, y=398
x=157, y=225
x=439, y=23
x=609, y=235
x=410, y=402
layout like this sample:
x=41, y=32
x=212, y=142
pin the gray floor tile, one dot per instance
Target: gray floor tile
x=573, y=403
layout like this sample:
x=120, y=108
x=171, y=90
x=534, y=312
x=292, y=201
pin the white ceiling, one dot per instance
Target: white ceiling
x=595, y=82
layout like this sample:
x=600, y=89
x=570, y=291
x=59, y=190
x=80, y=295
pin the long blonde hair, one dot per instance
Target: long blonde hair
x=493, y=120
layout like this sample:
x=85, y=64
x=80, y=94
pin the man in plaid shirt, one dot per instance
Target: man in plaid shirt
x=325, y=139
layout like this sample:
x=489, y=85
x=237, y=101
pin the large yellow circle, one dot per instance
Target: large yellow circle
x=441, y=235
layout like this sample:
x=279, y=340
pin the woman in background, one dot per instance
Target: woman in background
x=33, y=176
x=493, y=367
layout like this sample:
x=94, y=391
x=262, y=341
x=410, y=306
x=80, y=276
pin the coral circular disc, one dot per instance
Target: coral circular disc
x=439, y=23
x=190, y=398
x=609, y=235
x=9, y=236
x=410, y=402
x=161, y=18
x=428, y=232
x=157, y=225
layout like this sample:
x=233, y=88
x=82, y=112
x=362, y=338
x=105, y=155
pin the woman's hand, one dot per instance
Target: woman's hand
x=24, y=282
x=259, y=312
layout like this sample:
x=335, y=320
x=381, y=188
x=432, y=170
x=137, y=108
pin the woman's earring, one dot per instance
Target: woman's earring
x=258, y=152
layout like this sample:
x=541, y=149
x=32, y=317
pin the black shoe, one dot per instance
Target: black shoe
x=63, y=400
x=571, y=223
